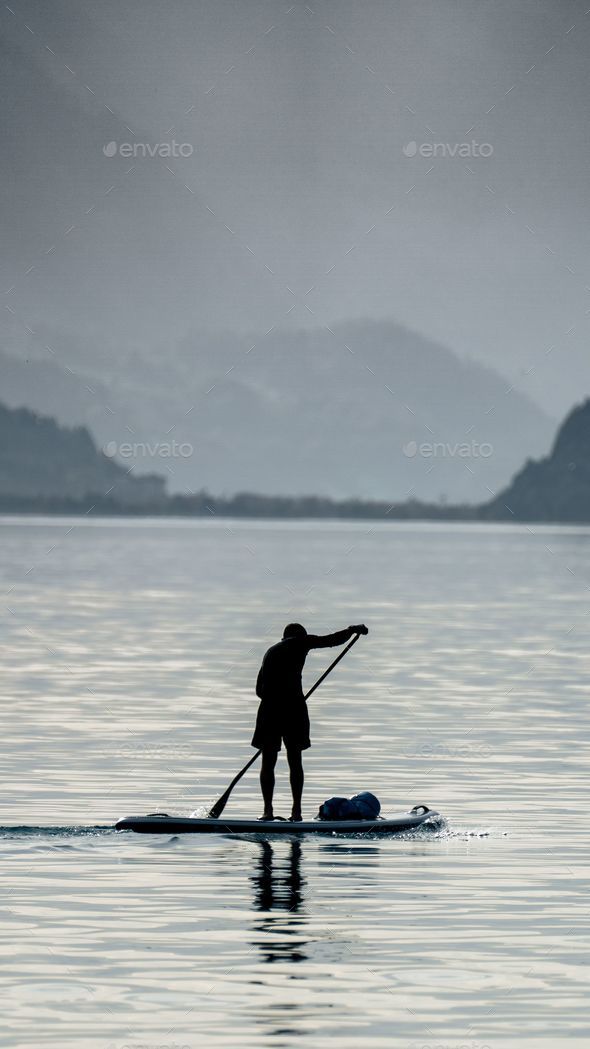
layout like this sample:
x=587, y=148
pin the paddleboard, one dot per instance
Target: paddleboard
x=162, y=823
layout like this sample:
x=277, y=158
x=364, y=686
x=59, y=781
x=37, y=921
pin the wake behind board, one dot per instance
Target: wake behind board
x=161, y=823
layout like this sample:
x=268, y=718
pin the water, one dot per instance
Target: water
x=129, y=649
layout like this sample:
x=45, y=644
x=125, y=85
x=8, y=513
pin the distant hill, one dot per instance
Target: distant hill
x=50, y=388
x=46, y=468
x=556, y=488
x=40, y=459
x=368, y=410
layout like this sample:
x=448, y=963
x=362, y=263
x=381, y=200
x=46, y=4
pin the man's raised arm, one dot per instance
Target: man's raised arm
x=340, y=637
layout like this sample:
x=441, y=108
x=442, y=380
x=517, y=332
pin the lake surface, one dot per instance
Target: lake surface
x=129, y=653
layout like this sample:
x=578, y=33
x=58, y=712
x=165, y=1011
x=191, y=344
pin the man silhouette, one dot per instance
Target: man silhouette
x=282, y=714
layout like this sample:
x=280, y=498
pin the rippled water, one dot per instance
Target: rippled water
x=129, y=651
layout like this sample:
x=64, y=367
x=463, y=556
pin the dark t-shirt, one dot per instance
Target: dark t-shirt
x=282, y=666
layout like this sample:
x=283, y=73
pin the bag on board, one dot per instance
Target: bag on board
x=364, y=806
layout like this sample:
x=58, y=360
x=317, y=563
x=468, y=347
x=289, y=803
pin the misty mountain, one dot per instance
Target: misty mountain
x=38, y=458
x=51, y=468
x=297, y=192
x=557, y=487
x=47, y=387
x=367, y=409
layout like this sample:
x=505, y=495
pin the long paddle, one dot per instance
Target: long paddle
x=219, y=805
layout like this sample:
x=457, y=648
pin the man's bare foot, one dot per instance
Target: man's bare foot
x=266, y=816
x=296, y=816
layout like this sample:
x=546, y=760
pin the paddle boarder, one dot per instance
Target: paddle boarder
x=282, y=714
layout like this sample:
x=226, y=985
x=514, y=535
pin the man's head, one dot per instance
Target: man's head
x=294, y=630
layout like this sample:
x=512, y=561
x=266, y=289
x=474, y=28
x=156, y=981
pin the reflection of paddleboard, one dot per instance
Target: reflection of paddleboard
x=161, y=823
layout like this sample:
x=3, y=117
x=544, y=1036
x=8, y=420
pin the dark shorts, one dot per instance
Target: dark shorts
x=292, y=730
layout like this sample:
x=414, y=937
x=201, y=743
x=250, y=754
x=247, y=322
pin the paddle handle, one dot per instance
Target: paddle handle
x=332, y=665
x=218, y=807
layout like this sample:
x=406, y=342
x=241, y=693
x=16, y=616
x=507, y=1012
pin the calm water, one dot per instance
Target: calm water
x=129, y=651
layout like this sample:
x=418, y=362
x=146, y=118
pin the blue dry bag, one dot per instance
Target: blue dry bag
x=364, y=806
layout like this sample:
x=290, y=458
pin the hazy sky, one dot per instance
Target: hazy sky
x=302, y=208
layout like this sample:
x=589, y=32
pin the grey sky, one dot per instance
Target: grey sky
x=297, y=116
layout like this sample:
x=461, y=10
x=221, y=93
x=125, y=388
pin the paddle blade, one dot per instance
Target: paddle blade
x=216, y=810
x=219, y=806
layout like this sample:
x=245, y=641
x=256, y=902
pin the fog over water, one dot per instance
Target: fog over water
x=302, y=208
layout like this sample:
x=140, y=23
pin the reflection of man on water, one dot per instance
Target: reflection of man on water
x=282, y=714
x=279, y=887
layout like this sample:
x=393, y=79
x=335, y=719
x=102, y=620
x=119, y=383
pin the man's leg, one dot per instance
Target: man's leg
x=267, y=781
x=296, y=779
